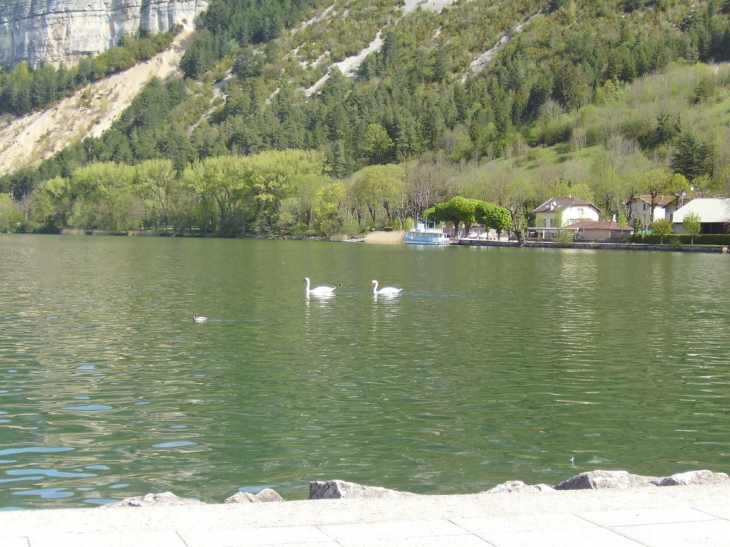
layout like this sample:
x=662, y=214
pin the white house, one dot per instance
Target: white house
x=714, y=214
x=640, y=207
x=572, y=210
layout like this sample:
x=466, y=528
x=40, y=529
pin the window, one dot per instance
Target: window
x=644, y=206
x=542, y=223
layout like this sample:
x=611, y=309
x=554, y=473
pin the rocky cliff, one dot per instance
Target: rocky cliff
x=56, y=31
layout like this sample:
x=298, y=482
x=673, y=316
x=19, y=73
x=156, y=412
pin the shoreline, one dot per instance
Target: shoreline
x=527, y=244
x=641, y=517
x=599, y=246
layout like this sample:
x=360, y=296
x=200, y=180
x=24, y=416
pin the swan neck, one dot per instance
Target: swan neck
x=375, y=289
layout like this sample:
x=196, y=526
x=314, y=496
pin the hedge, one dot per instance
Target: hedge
x=684, y=239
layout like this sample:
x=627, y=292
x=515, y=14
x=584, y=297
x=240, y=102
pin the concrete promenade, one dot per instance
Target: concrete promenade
x=661, y=517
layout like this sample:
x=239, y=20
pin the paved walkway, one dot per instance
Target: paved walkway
x=661, y=517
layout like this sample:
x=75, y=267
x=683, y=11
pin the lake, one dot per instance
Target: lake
x=492, y=365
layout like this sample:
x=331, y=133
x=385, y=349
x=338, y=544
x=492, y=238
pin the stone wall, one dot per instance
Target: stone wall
x=55, y=31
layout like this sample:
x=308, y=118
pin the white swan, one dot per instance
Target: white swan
x=199, y=319
x=385, y=291
x=320, y=291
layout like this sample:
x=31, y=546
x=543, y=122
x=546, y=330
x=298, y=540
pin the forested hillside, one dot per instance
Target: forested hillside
x=26, y=89
x=600, y=99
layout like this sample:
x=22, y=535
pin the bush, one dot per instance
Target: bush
x=564, y=238
x=299, y=230
x=684, y=239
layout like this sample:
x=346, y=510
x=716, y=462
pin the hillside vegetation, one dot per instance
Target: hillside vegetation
x=25, y=89
x=598, y=99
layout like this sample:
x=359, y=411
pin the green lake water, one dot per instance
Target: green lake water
x=492, y=365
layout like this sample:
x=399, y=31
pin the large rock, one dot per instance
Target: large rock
x=55, y=31
x=602, y=480
x=693, y=477
x=265, y=496
x=340, y=489
x=520, y=487
x=154, y=500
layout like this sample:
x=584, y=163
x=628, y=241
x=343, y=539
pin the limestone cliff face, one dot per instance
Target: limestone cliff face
x=55, y=31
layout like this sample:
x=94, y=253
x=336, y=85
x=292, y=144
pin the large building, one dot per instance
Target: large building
x=556, y=213
x=714, y=215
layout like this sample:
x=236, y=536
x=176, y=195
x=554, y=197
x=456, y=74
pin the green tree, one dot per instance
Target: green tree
x=463, y=210
x=677, y=184
x=692, y=157
x=662, y=228
x=273, y=176
x=52, y=203
x=693, y=224
x=378, y=143
x=108, y=189
x=327, y=205
x=382, y=187
x=306, y=191
x=223, y=197
x=156, y=184
x=9, y=219
x=493, y=217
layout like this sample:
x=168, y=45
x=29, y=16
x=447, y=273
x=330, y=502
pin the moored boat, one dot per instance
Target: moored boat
x=425, y=234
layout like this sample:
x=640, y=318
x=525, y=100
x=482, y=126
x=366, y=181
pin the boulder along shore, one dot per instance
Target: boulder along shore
x=339, y=489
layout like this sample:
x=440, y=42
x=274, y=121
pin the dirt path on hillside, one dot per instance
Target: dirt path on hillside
x=89, y=112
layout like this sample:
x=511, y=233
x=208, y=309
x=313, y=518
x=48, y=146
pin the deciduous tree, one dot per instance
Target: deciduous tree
x=662, y=228
x=693, y=224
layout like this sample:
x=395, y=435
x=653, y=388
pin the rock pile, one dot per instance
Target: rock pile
x=337, y=489
x=616, y=480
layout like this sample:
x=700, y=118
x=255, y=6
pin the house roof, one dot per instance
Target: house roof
x=663, y=201
x=606, y=225
x=710, y=210
x=555, y=204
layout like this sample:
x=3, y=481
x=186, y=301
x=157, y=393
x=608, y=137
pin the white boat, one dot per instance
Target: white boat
x=426, y=234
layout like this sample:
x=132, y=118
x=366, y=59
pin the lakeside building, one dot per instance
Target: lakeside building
x=640, y=208
x=664, y=206
x=597, y=231
x=560, y=214
x=714, y=215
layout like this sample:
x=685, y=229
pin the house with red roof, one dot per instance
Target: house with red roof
x=590, y=230
x=563, y=211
